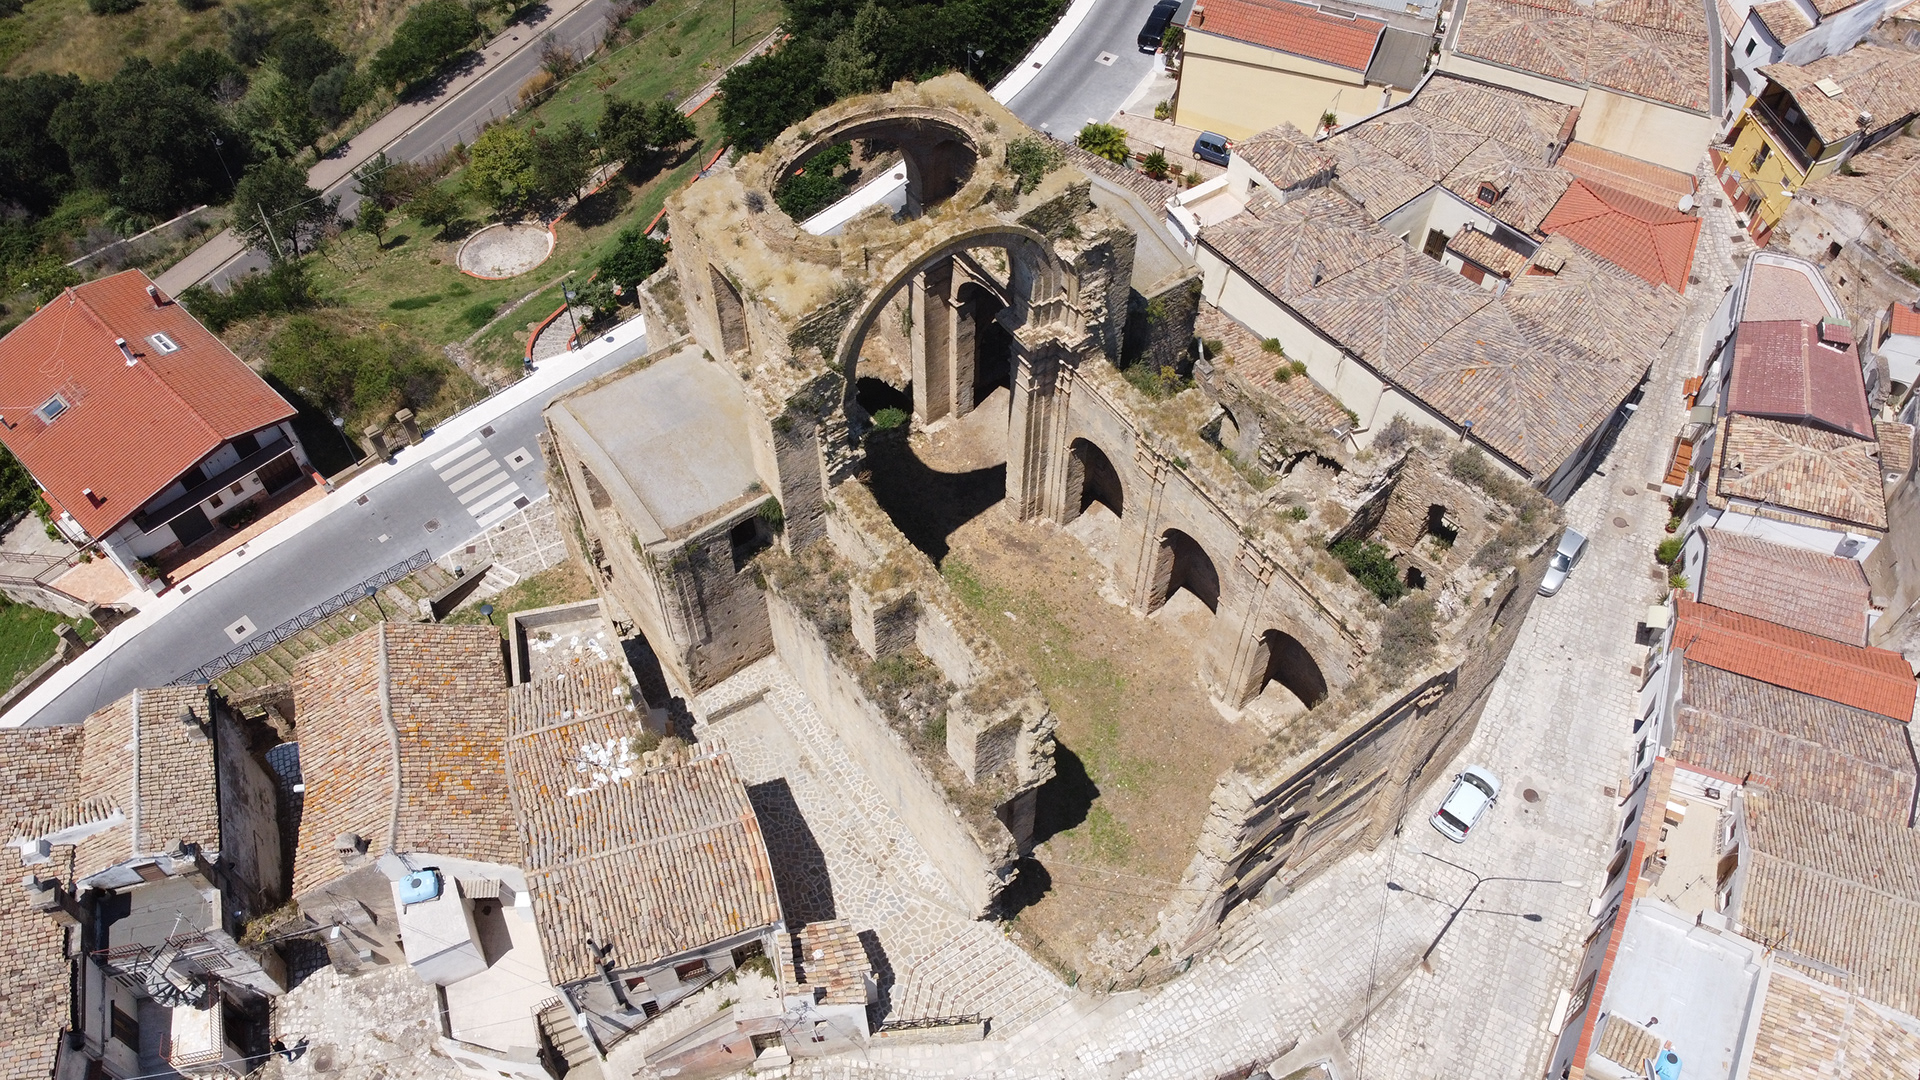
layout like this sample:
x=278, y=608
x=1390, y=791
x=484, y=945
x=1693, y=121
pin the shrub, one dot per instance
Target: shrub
x=775, y=517
x=112, y=7
x=1273, y=345
x=240, y=516
x=355, y=374
x=432, y=33
x=1156, y=382
x=1031, y=158
x=1668, y=551
x=634, y=258
x=814, y=186
x=1155, y=165
x=1286, y=372
x=1372, y=567
x=477, y=315
x=889, y=418
x=1104, y=140
x=1296, y=513
x=1329, y=121
x=1407, y=637
x=1164, y=110
x=283, y=288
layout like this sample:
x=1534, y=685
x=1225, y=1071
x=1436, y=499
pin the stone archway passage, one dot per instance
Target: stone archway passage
x=1091, y=478
x=1184, y=564
x=1288, y=663
x=982, y=344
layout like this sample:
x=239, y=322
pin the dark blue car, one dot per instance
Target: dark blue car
x=1211, y=148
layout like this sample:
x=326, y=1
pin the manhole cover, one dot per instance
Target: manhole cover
x=1106, y=58
x=487, y=432
x=1630, y=490
x=433, y=525
x=1530, y=795
x=1619, y=523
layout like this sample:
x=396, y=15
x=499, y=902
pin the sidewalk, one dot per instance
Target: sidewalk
x=450, y=432
x=383, y=133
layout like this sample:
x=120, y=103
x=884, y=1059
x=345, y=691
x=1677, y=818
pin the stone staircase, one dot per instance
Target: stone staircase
x=572, y=1044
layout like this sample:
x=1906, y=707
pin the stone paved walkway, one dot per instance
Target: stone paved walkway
x=524, y=543
x=553, y=339
x=1558, y=722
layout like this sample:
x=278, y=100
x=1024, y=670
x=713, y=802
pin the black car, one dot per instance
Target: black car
x=1156, y=27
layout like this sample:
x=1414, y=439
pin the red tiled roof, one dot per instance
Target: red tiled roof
x=1876, y=680
x=129, y=430
x=1605, y=168
x=1806, y=590
x=1784, y=371
x=1906, y=319
x=1638, y=235
x=1292, y=28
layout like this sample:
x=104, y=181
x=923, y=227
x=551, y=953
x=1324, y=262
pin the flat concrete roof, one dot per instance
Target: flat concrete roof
x=669, y=442
x=1684, y=983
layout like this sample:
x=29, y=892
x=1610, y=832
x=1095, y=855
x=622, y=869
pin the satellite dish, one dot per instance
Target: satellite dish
x=1686, y=204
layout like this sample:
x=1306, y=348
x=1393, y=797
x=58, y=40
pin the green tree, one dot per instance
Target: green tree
x=18, y=492
x=302, y=55
x=437, y=207
x=373, y=180
x=249, y=33
x=147, y=141
x=761, y=97
x=277, y=211
x=372, y=219
x=1105, y=140
x=852, y=64
x=432, y=33
x=502, y=168
x=669, y=125
x=640, y=135
x=33, y=166
x=562, y=161
x=634, y=258
x=814, y=187
x=278, y=114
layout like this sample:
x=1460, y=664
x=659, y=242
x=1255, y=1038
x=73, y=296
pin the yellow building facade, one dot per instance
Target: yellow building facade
x=1238, y=90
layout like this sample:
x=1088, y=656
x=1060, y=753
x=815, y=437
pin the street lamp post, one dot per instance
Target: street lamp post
x=373, y=594
x=487, y=610
x=1478, y=880
x=571, y=296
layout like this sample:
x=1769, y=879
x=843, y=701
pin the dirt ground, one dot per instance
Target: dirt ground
x=1139, y=744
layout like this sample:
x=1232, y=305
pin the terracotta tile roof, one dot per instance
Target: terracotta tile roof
x=129, y=430
x=1808, y=1030
x=1885, y=187
x=1784, y=20
x=1876, y=680
x=645, y=862
x=401, y=736
x=1486, y=252
x=1819, y=749
x=1653, y=49
x=1778, y=293
x=828, y=959
x=1292, y=28
x=1896, y=449
x=1639, y=236
x=1821, y=594
x=163, y=778
x=1839, y=888
x=1289, y=248
x=1776, y=469
x=1904, y=319
x=1872, y=79
x=1286, y=157
x=1786, y=371
x=38, y=767
x=1463, y=136
x=1631, y=176
x=1154, y=192
x=1299, y=397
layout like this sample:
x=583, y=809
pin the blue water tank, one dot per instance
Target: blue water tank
x=1667, y=1065
x=420, y=886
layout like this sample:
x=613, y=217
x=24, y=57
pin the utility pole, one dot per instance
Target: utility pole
x=270, y=237
x=733, y=35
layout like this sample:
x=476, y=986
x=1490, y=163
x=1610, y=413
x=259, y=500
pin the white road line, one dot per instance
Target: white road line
x=467, y=447
x=449, y=474
x=471, y=495
x=478, y=505
x=478, y=480
x=496, y=515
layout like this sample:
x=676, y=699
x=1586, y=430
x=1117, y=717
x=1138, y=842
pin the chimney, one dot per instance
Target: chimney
x=1197, y=18
x=153, y=294
x=47, y=897
x=124, y=351
x=351, y=847
x=196, y=731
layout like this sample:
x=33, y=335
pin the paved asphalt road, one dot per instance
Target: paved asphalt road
x=1075, y=87
x=460, y=119
x=333, y=554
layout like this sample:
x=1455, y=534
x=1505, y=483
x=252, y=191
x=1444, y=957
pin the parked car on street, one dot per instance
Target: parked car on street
x=1212, y=148
x=1475, y=790
x=1156, y=28
x=1572, y=546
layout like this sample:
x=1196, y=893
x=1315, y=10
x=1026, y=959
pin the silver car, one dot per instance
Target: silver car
x=1474, y=791
x=1572, y=546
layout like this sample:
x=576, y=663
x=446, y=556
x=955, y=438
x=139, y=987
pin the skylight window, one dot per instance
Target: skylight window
x=164, y=343
x=54, y=407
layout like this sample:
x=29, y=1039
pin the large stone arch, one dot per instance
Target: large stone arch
x=939, y=151
x=1091, y=478
x=1279, y=657
x=1038, y=287
x=1182, y=563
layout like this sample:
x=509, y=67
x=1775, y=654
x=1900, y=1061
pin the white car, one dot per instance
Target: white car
x=1474, y=791
x=1572, y=546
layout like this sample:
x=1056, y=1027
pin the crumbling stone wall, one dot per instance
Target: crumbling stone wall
x=1159, y=329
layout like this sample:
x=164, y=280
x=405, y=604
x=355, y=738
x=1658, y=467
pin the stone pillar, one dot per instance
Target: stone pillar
x=407, y=422
x=930, y=299
x=1138, y=561
x=1232, y=660
x=884, y=622
x=376, y=441
x=1034, y=430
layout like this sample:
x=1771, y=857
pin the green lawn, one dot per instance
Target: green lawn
x=27, y=639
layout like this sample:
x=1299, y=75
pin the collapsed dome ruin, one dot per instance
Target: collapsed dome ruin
x=1027, y=296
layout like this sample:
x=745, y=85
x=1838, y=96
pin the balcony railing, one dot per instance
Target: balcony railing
x=1782, y=135
x=200, y=492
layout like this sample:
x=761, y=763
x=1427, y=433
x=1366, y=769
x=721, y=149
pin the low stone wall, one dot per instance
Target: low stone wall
x=974, y=868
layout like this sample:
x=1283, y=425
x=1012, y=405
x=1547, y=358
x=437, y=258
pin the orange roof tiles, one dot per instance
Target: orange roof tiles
x=1876, y=680
x=1905, y=319
x=1292, y=28
x=1806, y=590
x=1605, y=168
x=130, y=429
x=1638, y=235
